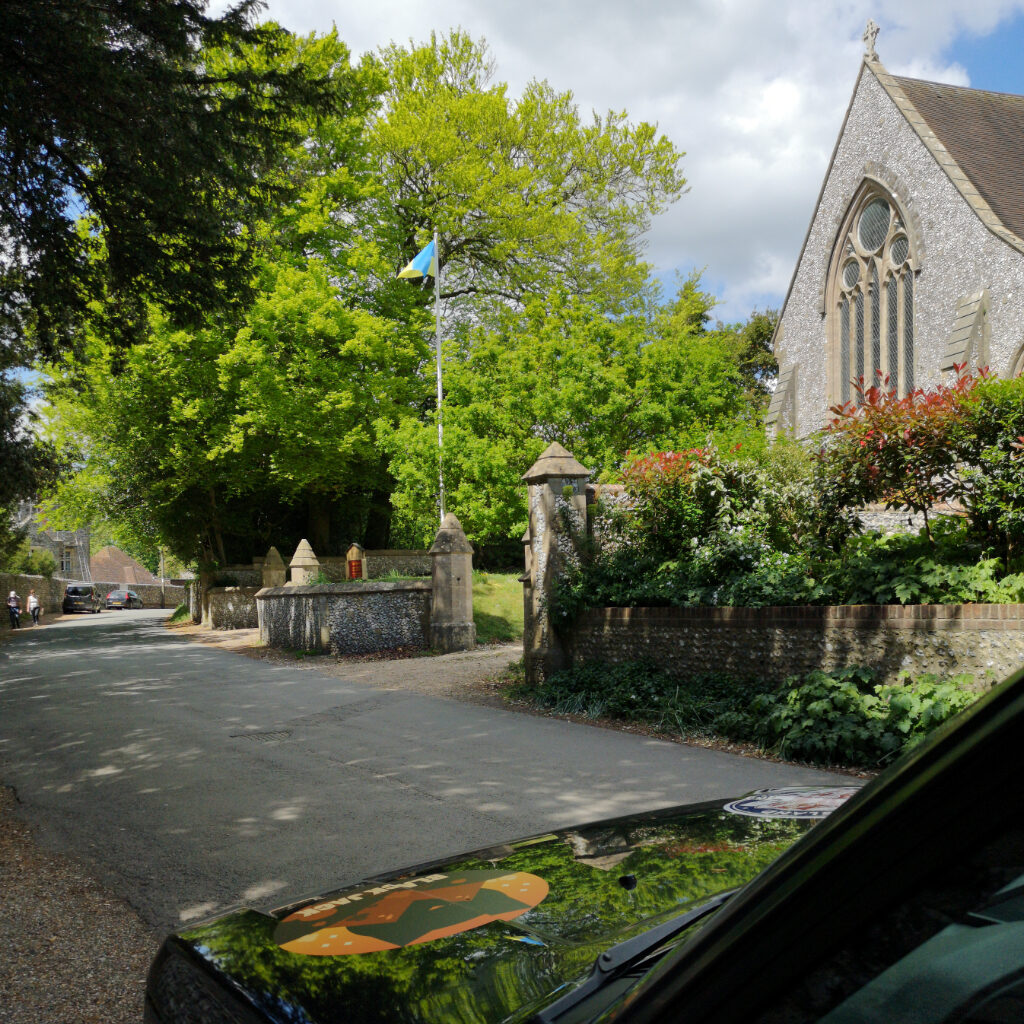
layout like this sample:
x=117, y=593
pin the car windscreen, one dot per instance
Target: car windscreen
x=78, y=592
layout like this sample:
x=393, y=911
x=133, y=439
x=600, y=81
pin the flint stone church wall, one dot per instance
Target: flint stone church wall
x=959, y=254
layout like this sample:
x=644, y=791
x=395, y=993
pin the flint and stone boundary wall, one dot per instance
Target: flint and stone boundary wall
x=50, y=592
x=986, y=640
x=231, y=608
x=346, y=618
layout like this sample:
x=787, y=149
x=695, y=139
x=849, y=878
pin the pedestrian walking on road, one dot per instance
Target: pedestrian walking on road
x=14, y=610
x=34, y=607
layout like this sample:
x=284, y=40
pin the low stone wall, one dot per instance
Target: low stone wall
x=250, y=575
x=153, y=596
x=346, y=618
x=232, y=608
x=51, y=592
x=379, y=563
x=774, y=643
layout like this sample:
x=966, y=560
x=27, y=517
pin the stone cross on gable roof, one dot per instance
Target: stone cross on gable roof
x=869, y=37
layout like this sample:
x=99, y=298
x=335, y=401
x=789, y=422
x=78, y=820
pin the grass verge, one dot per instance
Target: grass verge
x=497, y=607
x=180, y=614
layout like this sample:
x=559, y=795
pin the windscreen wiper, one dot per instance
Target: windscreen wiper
x=617, y=959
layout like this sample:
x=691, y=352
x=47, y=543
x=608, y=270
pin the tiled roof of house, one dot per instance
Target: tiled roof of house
x=112, y=565
x=984, y=133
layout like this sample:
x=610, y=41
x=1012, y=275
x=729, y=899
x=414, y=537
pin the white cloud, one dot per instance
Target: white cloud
x=753, y=90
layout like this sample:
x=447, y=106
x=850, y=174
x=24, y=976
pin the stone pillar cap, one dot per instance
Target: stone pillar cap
x=450, y=539
x=273, y=558
x=554, y=461
x=303, y=556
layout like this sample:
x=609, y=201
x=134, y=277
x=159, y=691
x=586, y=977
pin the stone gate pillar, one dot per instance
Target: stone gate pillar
x=557, y=499
x=451, y=611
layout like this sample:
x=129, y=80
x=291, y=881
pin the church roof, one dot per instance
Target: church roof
x=978, y=133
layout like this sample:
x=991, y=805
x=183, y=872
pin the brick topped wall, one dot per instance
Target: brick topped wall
x=774, y=643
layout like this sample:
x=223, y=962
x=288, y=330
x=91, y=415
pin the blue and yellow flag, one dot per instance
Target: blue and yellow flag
x=423, y=264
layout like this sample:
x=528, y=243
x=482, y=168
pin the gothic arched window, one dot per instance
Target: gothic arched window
x=871, y=300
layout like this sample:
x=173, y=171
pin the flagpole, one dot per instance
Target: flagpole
x=437, y=341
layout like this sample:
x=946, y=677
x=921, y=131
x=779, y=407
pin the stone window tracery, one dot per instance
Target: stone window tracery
x=871, y=300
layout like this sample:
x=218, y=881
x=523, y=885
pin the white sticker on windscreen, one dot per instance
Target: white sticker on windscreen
x=793, y=802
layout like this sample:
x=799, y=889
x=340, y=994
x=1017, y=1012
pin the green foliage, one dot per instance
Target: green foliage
x=28, y=560
x=990, y=444
x=525, y=193
x=497, y=607
x=950, y=567
x=562, y=371
x=704, y=529
x=824, y=718
x=962, y=443
x=841, y=718
x=224, y=439
x=638, y=692
x=896, y=449
x=28, y=464
x=138, y=117
x=180, y=614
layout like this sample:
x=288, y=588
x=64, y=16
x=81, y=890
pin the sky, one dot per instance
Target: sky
x=753, y=91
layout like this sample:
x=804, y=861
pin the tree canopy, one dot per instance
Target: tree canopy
x=134, y=157
x=309, y=410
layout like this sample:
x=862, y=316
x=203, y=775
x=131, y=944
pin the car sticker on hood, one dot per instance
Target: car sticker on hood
x=405, y=913
x=793, y=802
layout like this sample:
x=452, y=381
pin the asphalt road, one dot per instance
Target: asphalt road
x=190, y=779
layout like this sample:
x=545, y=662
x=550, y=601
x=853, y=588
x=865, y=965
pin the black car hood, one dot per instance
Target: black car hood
x=491, y=936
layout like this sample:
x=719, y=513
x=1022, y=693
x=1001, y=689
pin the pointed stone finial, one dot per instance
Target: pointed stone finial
x=450, y=538
x=869, y=37
x=275, y=572
x=304, y=564
x=554, y=461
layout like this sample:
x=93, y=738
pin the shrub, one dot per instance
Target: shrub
x=842, y=718
x=950, y=567
x=639, y=692
x=825, y=718
x=896, y=449
x=32, y=561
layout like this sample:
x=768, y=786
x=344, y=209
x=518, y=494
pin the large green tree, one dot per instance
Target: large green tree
x=526, y=193
x=256, y=427
x=132, y=166
x=319, y=393
x=562, y=370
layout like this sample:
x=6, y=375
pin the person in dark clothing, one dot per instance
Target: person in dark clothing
x=14, y=610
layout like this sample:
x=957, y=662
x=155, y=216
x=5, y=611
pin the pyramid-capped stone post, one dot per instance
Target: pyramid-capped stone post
x=305, y=566
x=451, y=614
x=275, y=572
x=556, y=487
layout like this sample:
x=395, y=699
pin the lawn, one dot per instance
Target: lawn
x=497, y=607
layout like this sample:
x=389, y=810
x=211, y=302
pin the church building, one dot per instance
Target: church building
x=914, y=259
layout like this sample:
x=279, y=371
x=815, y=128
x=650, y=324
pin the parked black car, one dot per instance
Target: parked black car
x=123, y=599
x=906, y=904
x=81, y=597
